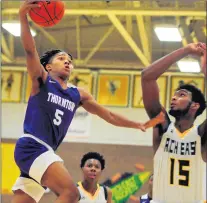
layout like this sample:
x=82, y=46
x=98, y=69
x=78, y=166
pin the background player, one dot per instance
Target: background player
x=50, y=110
x=178, y=163
x=92, y=165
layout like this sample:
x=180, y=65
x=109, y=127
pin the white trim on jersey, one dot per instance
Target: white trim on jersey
x=36, y=171
x=30, y=187
x=38, y=140
x=41, y=163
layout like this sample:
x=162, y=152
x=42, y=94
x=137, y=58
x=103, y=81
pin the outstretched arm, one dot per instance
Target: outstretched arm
x=154, y=71
x=90, y=105
x=34, y=67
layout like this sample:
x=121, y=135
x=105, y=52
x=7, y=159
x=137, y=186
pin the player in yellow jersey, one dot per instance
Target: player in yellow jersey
x=92, y=165
x=180, y=146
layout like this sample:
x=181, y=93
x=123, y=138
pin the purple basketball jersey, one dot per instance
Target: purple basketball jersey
x=50, y=112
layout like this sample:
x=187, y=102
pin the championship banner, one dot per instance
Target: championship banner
x=128, y=186
x=80, y=126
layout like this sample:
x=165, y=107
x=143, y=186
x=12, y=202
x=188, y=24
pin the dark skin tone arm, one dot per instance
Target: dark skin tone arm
x=90, y=105
x=34, y=67
x=150, y=88
x=202, y=129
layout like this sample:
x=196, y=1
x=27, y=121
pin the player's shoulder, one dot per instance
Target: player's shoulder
x=106, y=190
x=70, y=85
x=78, y=184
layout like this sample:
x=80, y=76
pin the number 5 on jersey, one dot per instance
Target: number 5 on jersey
x=58, y=117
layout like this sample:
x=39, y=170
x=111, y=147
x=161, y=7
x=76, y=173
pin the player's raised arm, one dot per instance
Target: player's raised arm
x=34, y=67
x=150, y=74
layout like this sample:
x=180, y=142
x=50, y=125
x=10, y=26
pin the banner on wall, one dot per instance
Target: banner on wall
x=177, y=81
x=84, y=80
x=11, y=86
x=113, y=90
x=127, y=185
x=80, y=126
x=10, y=171
x=137, y=91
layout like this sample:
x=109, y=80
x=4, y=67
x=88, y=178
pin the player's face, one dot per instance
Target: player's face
x=180, y=103
x=92, y=170
x=61, y=65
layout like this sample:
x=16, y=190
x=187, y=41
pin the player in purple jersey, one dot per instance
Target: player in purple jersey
x=51, y=107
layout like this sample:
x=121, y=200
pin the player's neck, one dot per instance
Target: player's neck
x=61, y=81
x=183, y=124
x=90, y=187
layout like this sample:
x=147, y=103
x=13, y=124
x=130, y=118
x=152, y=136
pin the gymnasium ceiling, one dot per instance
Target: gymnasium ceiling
x=111, y=34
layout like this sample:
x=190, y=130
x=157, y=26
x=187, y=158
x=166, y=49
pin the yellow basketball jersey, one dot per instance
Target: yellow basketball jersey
x=98, y=197
x=178, y=167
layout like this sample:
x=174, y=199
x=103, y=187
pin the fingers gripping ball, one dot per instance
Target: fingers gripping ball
x=48, y=14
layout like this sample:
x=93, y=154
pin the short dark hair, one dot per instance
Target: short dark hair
x=93, y=155
x=197, y=96
x=45, y=58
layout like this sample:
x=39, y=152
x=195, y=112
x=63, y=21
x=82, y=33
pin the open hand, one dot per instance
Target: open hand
x=141, y=126
x=160, y=118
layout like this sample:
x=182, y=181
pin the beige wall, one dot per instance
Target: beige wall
x=100, y=131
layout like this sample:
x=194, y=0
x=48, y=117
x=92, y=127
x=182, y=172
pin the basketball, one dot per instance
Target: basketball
x=48, y=14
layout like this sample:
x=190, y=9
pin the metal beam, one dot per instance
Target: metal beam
x=5, y=47
x=100, y=42
x=46, y=34
x=104, y=12
x=189, y=19
x=143, y=36
x=11, y=45
x=204, y=30
x=78, y=37
x=128, y=39
x=191, y=30
x=180, y=27
x=5, y=59
x=129, y=26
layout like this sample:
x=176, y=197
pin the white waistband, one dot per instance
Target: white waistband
x=38, y=140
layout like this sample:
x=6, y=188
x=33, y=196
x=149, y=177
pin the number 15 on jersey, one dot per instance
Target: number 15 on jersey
x=179, y=172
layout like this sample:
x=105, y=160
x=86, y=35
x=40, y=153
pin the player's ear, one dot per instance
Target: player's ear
x=48, y=67
x=195, y=105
